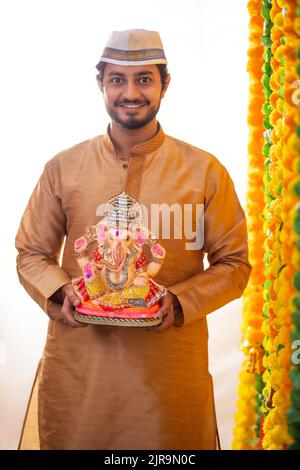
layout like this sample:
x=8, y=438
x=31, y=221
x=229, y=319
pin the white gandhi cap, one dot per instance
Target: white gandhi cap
x=134, y=47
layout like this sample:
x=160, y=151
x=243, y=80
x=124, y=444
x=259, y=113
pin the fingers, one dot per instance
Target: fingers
x=74, y=300
x=68, y=310
x=69, y=292
x=167, y=315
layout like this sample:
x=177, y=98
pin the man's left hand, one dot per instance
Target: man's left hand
x=169, y=305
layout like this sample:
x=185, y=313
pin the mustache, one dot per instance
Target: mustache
x=136, y=102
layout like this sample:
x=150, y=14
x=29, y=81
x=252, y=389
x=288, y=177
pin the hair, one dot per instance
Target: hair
x=163, y=71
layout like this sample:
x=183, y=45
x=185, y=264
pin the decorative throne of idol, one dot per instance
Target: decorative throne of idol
x=118, y=259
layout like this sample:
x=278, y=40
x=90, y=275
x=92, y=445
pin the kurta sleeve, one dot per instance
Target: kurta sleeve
x=225, y=242
x=39, y=242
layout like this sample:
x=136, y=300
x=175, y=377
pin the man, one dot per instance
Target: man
x=104, y=387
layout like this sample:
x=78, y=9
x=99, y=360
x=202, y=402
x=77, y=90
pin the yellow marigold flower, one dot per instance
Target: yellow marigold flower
x=297, y=26
x=267, y=390
x=278, y=399
x=278, y=20
x=279, y=437
x=246, y=377
x=273, y=360
x=294, y=143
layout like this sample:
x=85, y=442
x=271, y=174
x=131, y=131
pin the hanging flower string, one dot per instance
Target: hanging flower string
x=246, y=430
x=270, y=407
x=291, y=155
x=277, y=358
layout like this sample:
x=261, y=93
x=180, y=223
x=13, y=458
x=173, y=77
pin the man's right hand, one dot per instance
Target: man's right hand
x=70, y=301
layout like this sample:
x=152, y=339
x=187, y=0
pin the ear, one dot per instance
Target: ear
x=80, y=245
x=140, y=236
x=100, y=84
x=101, y=231
x=168, y=79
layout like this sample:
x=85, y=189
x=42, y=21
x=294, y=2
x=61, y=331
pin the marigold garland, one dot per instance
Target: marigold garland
x=272, y=314
x=291, y=152
x=276, y=390
x=245, y=430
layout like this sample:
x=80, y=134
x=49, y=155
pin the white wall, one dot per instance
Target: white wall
x=50, y=101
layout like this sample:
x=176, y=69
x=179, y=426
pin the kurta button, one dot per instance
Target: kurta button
x=125, y=166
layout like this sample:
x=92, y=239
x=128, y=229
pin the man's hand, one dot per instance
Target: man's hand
x=170, y=310
x=70, y=300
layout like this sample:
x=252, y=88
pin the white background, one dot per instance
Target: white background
x=50, y=101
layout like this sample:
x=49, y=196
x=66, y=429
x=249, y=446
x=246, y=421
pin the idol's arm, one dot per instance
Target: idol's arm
x=225, y=242
x=39, y=242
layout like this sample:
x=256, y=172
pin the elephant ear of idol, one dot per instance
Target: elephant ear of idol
x=101, y=232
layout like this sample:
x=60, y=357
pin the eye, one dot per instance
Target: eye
x=116, y=80
x=144, y=80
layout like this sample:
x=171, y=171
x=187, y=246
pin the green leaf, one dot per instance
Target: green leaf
x=268, y=284
x=296, y=319
x=266, y=81
x=295, y=334
x=279, y=347
x=296, y=280
x=265, y=11
x=267, y=28
x=267, y=109
x=295, y=396
x=281, y=92
x=266, y=311
x=267, y=54
x=252, y=442
x=294, y=431
x=297, y=188
x=296, y=301
x=266, y=40
x=296, y=223
x=266, y=68
x=293, y=415
x=267, y=93
x=295, y=377
x=266, y=149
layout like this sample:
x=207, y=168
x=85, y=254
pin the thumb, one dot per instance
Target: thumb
x=74, y=300
x=161, y=312
x=158, y=314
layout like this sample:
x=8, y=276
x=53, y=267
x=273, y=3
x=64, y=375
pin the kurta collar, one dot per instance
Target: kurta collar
x=146, y=147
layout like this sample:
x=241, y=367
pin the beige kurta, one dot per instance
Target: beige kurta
x=107, y=387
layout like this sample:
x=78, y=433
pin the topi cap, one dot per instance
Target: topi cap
x=134, y=47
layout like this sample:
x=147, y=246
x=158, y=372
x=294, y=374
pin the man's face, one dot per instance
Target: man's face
x=132, y=94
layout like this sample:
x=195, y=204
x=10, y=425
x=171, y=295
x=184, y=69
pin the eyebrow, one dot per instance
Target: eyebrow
x=120, y=74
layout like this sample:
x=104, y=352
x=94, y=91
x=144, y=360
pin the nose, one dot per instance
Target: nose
x=131, y=91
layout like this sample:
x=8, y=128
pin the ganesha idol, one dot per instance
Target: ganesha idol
x=118, y=258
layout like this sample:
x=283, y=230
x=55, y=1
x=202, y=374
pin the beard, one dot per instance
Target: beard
x=132, y=121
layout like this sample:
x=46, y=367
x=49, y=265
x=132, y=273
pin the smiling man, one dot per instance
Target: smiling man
x=103, y=387
x=132, y=95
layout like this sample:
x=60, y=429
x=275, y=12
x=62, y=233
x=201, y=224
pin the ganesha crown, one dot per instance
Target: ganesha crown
x=122, y=211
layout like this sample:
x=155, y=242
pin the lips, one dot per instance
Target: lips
x=132, y=105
